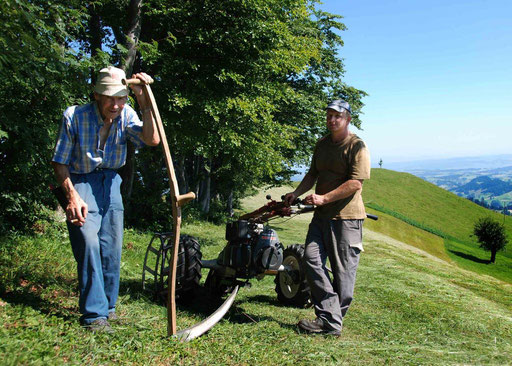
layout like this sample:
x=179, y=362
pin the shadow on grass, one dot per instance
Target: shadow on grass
x=237, y=315
x=266, y=300
x=470, y=257
x=35, y=300
x=202, y=303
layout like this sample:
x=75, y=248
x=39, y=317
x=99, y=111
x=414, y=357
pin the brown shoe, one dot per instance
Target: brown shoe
x=317, y=326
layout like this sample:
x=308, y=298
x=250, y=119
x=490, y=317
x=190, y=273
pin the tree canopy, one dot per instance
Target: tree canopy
x=241, y=86
x=491, y=235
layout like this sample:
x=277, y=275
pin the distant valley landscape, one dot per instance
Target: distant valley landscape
x=485, y=180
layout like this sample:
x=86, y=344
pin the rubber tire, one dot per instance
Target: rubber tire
x=289, y=292
x=188, y=269
x=214, y=286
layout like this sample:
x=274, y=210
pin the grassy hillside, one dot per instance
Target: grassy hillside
x=408, y=309
x=423, y=205
x=426, y=203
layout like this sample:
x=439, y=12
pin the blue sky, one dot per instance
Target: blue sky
x=438, y=75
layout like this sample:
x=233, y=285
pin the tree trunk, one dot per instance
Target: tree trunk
x=127, y=172
x=493, y=256
x=130, y=42
x=94, y=36
x=180, y=174
x=196, y=171
x=132, y=35
x=229, y=204
x=204, y=187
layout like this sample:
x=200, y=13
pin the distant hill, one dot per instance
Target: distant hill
x=485, y=185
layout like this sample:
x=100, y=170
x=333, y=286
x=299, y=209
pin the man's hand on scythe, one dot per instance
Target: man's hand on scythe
x=137, y=88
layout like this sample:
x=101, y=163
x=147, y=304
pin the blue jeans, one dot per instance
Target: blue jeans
x=97, y=244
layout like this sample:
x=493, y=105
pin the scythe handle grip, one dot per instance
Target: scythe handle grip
x=134, y=82
x=184, y=198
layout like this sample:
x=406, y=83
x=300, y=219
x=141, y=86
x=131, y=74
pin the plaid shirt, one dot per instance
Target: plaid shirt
x=78, y=144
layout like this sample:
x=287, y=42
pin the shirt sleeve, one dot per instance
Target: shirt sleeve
x=66, y=138
x=361, y=163
x=134, y=128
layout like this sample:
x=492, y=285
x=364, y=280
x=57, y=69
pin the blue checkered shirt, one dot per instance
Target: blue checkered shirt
x=78, y=143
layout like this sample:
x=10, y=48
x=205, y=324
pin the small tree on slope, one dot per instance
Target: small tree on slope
x=491, y=235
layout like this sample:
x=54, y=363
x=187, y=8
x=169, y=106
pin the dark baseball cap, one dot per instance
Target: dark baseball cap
x=338, y=105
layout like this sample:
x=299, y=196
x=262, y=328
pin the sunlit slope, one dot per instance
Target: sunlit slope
x=387, y=224
x=413, y=202
x=425, y=204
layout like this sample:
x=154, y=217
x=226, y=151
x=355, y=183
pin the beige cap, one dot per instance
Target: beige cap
x=110, y=82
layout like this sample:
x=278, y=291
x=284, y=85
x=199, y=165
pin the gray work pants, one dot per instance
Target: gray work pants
x=341, y=242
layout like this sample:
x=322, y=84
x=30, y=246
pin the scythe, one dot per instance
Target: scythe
x=177, y=202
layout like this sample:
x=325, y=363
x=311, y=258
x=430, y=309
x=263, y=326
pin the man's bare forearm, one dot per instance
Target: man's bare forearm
x=150, y=134
x=76, y=210
x=345, y=190
x=64, y=179
x=149, y=131
x=305, y=185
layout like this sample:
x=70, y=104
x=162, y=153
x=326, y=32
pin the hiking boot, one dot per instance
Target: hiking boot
x=317, y=326
x=112, y=317
x=100, y=325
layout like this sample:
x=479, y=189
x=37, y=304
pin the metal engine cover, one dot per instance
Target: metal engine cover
x=268, y=252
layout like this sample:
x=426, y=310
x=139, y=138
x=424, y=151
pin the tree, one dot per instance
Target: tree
x=491, y=235
x=40, y=74
x=245, y=86
x=241, y=86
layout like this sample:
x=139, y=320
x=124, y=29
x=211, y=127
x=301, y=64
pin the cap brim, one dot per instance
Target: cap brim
x=112, y=90
x=335, y=107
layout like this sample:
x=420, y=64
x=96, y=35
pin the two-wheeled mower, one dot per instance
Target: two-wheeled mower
x=253, y=250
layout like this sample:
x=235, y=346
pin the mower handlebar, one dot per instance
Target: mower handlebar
x=274, y=208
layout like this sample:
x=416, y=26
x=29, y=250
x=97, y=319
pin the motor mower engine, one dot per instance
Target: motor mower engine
x=251, y=250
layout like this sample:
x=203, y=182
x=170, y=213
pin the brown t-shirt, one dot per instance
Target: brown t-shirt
x=335, y=163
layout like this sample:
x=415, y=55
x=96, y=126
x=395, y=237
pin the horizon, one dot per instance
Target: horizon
x=472, y=162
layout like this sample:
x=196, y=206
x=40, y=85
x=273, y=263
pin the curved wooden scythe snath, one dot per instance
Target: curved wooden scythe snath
x=177, y=202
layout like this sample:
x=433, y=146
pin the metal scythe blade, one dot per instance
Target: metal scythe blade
x=201, y=328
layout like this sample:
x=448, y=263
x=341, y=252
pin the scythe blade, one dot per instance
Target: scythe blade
x=200, y=328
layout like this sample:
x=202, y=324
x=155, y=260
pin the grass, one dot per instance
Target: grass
x=407, y=201
x=426, y=204
x=408, y=309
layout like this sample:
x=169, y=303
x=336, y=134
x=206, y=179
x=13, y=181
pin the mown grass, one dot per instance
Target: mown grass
x=408, y=309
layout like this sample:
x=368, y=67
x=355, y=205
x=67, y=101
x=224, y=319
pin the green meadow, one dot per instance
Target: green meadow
x=417, y=204
x=421, y=298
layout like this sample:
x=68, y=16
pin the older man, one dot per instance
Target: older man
x=339, y=166
x=90, y=148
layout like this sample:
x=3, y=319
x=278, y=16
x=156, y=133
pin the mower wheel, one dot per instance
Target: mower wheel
x=291, y=286
x=188, y=269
